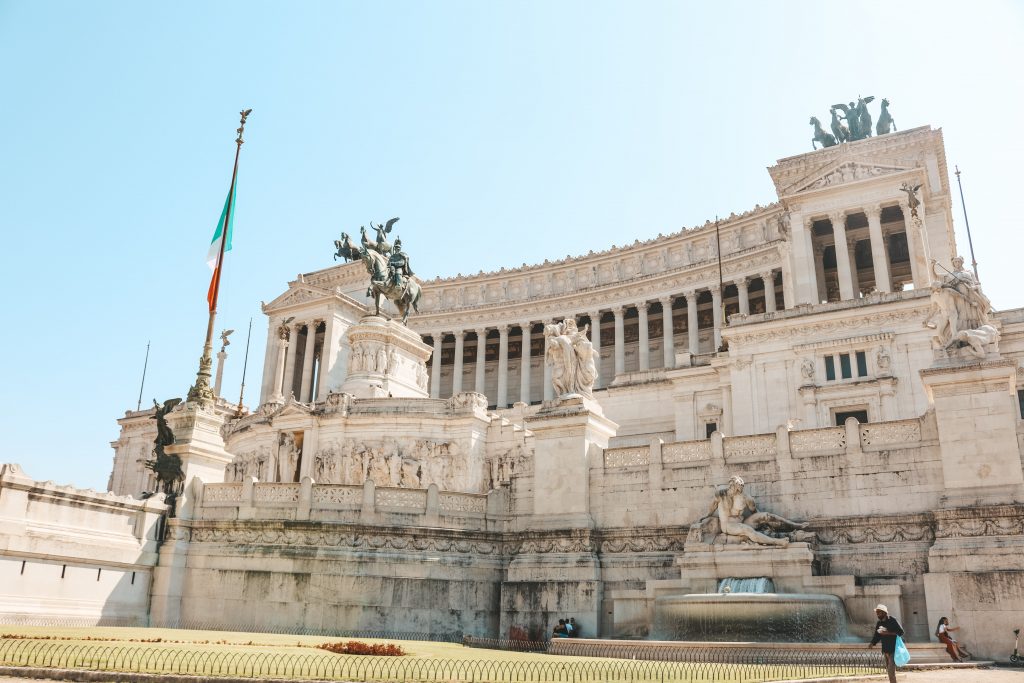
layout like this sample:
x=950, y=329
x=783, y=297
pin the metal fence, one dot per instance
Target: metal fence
x=746, y=668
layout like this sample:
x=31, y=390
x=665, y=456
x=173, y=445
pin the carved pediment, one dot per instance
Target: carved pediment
x=298, y=294
x=841, y=174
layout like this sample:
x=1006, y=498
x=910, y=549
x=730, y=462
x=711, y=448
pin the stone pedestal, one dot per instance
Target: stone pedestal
x=976, y=413
x=554, y=576
x=570, y=436
x=388, y=360
x=198, y=442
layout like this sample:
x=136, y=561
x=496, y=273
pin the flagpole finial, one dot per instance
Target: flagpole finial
x=241, y=128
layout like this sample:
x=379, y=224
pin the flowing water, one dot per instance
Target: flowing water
x=747, y=610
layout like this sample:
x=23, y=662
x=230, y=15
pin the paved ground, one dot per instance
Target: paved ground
x=963, y=676
x=939, y=676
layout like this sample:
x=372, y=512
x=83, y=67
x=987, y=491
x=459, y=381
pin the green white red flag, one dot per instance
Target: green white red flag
x=223, y=234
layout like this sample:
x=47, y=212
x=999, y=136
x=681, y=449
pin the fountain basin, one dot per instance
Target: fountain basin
x=750, y=617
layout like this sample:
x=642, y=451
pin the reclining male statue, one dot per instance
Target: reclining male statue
x=732, y=505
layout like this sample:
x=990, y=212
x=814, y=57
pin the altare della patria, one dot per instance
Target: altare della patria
x=731, y=432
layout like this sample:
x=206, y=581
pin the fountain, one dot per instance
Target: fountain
x=749, y=610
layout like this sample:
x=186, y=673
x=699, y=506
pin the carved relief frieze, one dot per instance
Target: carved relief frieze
x=391, y=462
x=813, y=440
x=904, y=432
x=992, y=520
x=643, y=544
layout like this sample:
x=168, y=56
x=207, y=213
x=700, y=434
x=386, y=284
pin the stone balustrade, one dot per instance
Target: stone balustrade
x=366, y=504
x=807, y=443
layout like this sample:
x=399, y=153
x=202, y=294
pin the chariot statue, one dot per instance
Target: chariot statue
x=388, y=266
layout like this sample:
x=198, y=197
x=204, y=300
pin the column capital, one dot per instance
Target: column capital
x=595, y=316
x=618, y=311
x=526, y=326
x=715, y=290
x=768, y=276
x=741, y=281
x=666, y=301
x=641, y=306
x=873, y=211
x=837, y=218
x=316, y=322
x=690, y=295
x=438, y=338
x=502, y=330
x=481, y=332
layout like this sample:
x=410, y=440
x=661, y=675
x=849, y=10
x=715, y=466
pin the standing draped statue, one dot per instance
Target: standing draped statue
x=572, y=359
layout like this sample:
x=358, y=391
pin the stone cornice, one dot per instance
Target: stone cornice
x=811, y=320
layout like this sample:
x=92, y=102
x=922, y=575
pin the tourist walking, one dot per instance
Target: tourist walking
x=957, y=652
x=886, y=631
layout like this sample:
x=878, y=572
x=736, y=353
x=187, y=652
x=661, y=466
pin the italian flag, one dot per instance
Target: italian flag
x=222, y=234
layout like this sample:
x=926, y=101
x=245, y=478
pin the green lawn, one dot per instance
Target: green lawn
x=266, y=655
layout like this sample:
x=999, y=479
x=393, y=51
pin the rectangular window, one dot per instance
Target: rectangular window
x=709, y=429
x=843, y=415
x=844, y=365
x=862, y=364
x=830, y=368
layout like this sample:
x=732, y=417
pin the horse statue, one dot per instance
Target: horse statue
x=885, y=122
x=839, y=129
x=404, y=295
x=826, y=139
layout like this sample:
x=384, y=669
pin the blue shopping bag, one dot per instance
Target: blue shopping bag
x=902, y=655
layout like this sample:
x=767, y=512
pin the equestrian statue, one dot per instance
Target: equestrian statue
x=391, y=275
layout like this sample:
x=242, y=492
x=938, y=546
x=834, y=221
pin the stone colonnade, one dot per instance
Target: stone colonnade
x=299, y=367
x=500, y=397
x=847, y=230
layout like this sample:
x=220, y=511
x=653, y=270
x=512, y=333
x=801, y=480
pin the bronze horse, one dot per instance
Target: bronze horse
x=404, y=296
x=885, y=121
x=826, y=139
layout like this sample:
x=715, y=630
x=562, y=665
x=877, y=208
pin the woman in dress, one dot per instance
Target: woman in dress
x=956, y=651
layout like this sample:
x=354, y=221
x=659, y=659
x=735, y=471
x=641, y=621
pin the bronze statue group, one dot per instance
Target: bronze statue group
x=851, y=122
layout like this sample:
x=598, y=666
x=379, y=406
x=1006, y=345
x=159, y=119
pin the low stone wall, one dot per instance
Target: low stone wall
x=366, y=504
x=74, y=554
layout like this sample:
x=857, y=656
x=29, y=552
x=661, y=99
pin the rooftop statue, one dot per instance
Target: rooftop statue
x=390, y=273
x=733, y=517
x=572, y=359
x=851, y=122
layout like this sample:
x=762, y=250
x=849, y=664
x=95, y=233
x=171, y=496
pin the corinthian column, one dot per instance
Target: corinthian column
x=435, y=366
x=879, y=255
x=289, y=368
x=524, y=363
x=692, y=333
x=716, y=313
x=644, y=330
x=502, y=366
x=768, y=280
x=457, y=368
x=620, y=341
x=307, y=362
x=595, y=341
x=667, y=333
x=744, y=295
x=282, y=351
x=481, y=360
x=842, y=256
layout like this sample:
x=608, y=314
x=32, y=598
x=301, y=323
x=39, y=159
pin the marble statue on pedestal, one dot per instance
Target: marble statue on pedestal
x=572, y=359
x=733, y=517
x=960, y=313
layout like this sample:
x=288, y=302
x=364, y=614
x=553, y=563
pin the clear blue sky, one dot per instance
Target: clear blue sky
x=501, y=133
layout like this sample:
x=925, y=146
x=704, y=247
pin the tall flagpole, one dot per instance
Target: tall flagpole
x=241, y=394
x=145, y=364
x=201, y=392
x=721, y=282
x=970, y=242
